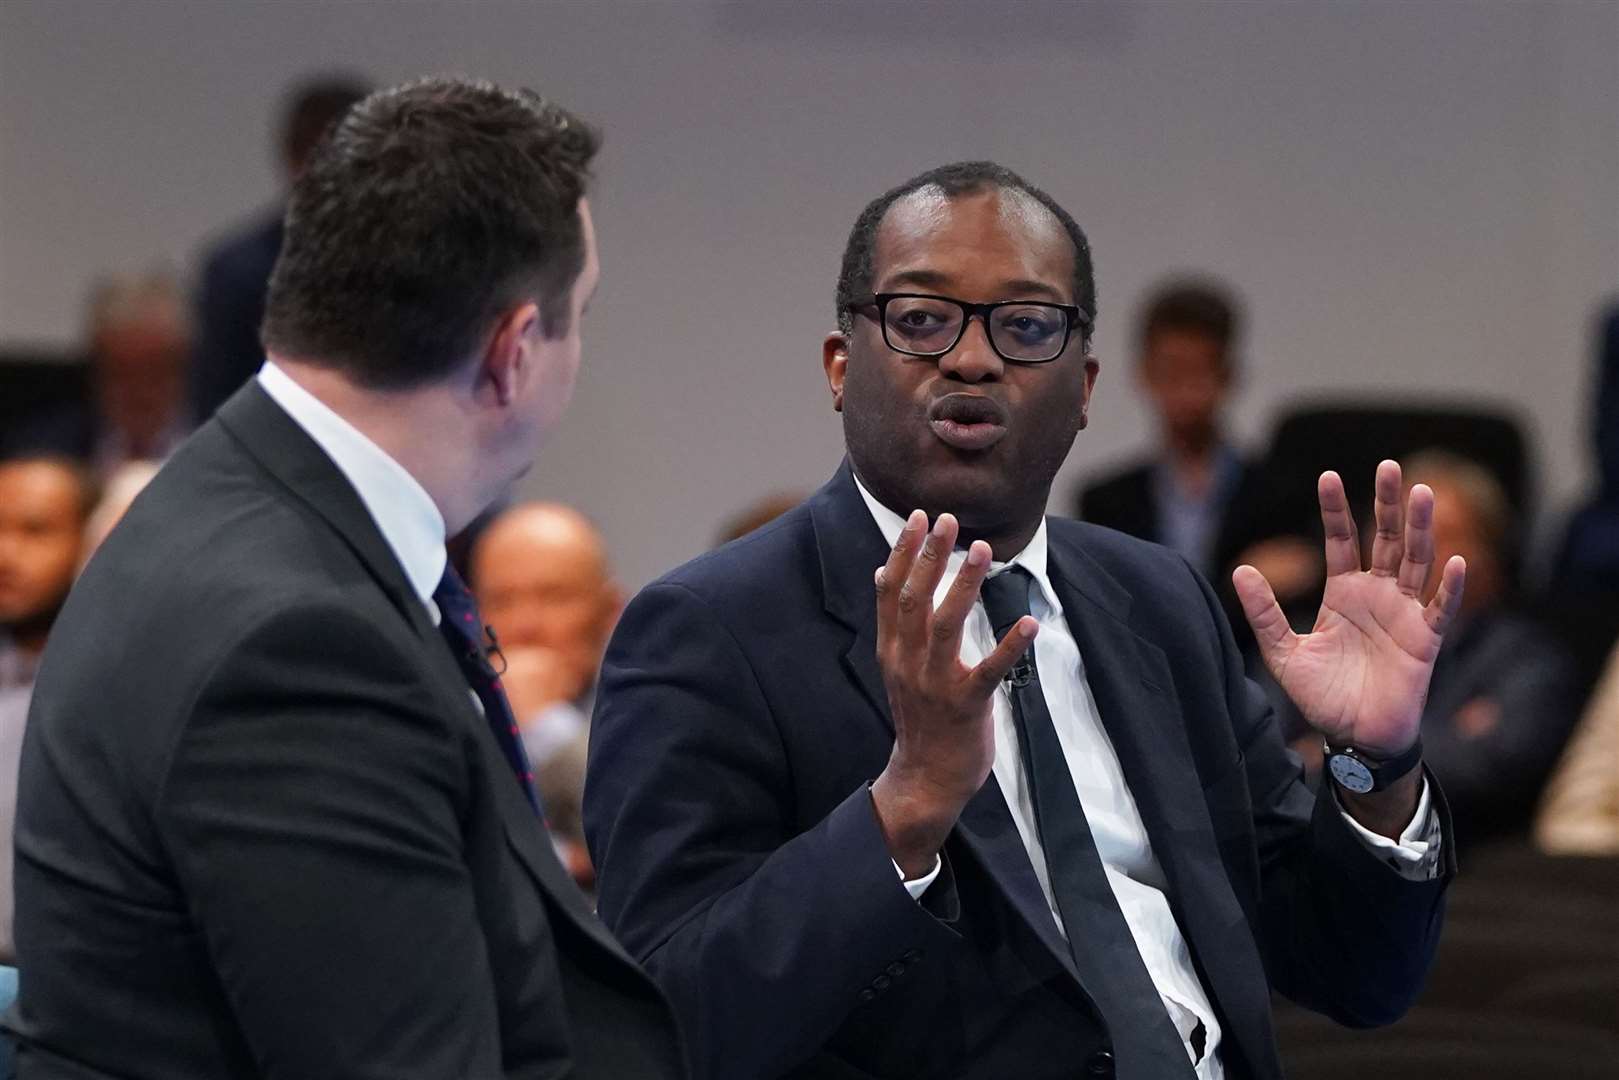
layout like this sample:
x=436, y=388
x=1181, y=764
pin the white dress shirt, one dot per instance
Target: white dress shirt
x=1116, y=826
x=404, y=513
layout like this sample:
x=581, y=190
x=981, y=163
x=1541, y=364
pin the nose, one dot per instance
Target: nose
x=973, y=360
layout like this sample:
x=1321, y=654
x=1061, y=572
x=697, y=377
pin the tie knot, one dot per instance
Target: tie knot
x=1006, y=598
x=457, y=609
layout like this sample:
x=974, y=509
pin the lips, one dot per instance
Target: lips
x=968, y=421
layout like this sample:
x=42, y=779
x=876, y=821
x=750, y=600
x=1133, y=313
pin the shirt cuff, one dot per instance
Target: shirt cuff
x=1415, y=856
x=917, y=886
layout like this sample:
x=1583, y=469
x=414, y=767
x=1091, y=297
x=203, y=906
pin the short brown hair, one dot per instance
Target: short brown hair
x=1199, y=305
x=427, y=211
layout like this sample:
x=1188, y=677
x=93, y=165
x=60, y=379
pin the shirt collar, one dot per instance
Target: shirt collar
x=1032, y=558
x=404, y=513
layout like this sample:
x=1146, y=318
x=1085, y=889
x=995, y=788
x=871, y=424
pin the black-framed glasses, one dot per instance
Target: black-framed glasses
x=1020, y=331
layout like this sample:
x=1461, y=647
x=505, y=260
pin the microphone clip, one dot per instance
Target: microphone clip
x=1022, y=673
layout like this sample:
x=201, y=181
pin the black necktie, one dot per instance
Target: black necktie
x=1146, y=1045
x=465, y=633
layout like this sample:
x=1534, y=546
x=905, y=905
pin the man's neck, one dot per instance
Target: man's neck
x=1006, y=540
x=423, y=430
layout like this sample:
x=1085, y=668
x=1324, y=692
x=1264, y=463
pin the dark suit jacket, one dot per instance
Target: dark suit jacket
x=1125, y=501
x=263, y=832
x=740, y=719
x=231, y=290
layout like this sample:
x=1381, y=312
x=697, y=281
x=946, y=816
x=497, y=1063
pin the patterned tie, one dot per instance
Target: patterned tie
x=465, y=633
x=1145, y=1042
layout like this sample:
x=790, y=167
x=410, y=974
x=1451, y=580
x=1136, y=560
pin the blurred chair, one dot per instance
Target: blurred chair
x=1481, y=1057
x=1352, y=436
x=1586, y=995
x=38, y=385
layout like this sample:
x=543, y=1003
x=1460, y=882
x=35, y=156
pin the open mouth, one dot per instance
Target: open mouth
x=968, y=421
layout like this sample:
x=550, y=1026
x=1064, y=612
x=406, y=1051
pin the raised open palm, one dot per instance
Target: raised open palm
x=1360, y=676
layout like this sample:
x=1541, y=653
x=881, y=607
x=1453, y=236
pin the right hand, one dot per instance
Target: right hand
x=535, y=678
x=944, y=738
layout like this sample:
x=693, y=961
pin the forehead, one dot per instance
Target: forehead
x=984, y=245
x=38, y=488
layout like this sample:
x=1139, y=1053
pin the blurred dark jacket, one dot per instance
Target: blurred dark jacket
x=1500, y=708
x=230, y=307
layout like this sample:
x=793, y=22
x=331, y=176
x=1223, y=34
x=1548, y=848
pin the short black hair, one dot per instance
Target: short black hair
x=431, y=208
x=1193, y=304
x=959, y=178
x=312, y=108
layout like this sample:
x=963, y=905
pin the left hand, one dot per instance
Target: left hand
x=1360, y=676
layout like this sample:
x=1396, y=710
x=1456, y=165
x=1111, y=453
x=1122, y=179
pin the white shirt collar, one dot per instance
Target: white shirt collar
x=404, y=513
x=1032, y=558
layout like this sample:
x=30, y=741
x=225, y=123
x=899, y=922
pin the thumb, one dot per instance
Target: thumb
x=1275, y=637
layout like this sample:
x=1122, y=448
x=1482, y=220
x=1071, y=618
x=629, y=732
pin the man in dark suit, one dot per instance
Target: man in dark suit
x=1186, y=366
x=854, y=836
x=274, y=817
x=235, y=274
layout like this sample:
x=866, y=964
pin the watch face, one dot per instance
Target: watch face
x=1352, y=774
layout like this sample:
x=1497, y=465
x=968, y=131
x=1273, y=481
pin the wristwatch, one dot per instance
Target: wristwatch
x=1360, y=772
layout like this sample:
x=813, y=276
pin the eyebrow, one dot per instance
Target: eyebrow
x=1017, y=288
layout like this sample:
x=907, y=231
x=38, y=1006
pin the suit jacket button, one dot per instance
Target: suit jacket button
x=867, y=994
x=896, y=969
x=1100, y=1064
x=912, y=957
x=880, y=983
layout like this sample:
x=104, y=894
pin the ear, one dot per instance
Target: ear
x=835, y=362
x=509, y=358
x=1092, y=368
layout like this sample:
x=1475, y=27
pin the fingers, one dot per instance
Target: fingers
x=1441, y=610
x=1418, y=561
x=951, y=614
x=892, y=574
x=1388, y=548
x=1343, y=548
x=994, y=667
x=1271, y=630
x=916, y=594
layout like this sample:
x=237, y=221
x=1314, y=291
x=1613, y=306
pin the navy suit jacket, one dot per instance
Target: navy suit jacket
x=741, y=718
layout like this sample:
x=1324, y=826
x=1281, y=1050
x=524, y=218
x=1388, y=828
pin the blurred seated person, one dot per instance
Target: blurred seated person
x=1186, y=364
x=137, y=342
x=1579, y=814
x=1503, y=696
x=235, y=273
x=44, y=503
x=542, y=582
x=1588, y=557
x=756, y=515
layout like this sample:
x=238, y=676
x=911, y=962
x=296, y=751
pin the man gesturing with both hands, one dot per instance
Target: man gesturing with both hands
x=978, y=793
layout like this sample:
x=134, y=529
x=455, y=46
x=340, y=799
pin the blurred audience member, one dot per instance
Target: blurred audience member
x=541, y=578
x=1187, y=359
x=236, y=271
x=758, y=514
x=117, y=492
x=43, y=505
x=138, y=342
x=1580, y=812
x=1589, y=555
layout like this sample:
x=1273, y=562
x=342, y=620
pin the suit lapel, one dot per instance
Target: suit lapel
x=851, y=549
x=1140, y=710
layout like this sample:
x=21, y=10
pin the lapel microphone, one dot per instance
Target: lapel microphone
x=1022, y=673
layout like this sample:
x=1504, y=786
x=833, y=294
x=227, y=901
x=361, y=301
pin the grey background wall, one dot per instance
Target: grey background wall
x=1414, y=197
